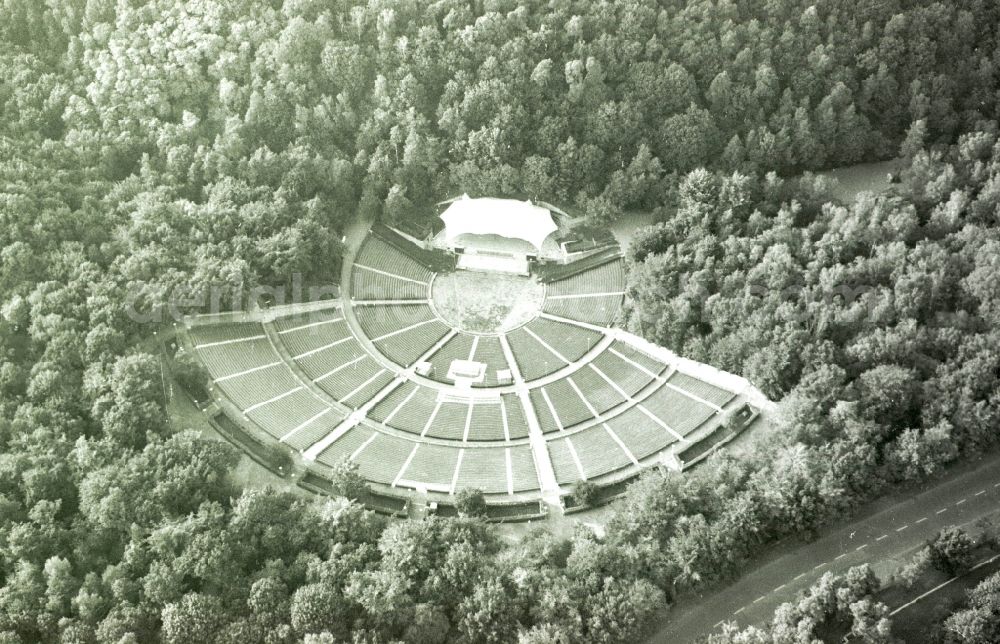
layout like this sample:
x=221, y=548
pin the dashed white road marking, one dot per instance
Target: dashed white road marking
x=779, y=588
x=840, y=556
x=861, y=547
x=920, y=520
x=961, y=502
x=718, y=623
x=902, y=528
x=940, y=586
x=739, y=611
x=759, y=599
x=884, y=536
x=799, y=577
x=980, y=492
x=941, y=511
x=819, y=566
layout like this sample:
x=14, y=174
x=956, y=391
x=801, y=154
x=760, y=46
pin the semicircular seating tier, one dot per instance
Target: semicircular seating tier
x=587, y=400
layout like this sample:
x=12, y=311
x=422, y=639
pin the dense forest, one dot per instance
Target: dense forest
x=979, y=622
x=151, y=152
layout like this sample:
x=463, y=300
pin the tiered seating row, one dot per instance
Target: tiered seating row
x=432, y=464
x=303, y=340
x=252, y=375
x=568, y=404
x=517, y=424
x=600, y=311
x=681, y=413
x=490, y=352
x=549, y=346
x=598, y=452
x=486, y=423
x=523, y=473
x=381, y=458
x=572, y=342
x=225, y=360
x=282, y=416
x=598, y=391
x=298, y=321
x=637, y=357
x=333, y=359
x=458, y=347
x=606, y=278
x=623, y=373
x=388, y=404
x=407, y=408
x=558, y=405
x=334, y=363
x=563, y=464
x=564, y=400
x=701, y=389
x=330, y=356
x=375, y=253
x=224, y=332
x=641, y=434
x=408, y=346
x=241, y=373
x=595, y=448
x=342, y=448
x=378, y=321
x=415, y=409
x=369, y=285
x=533, y=359
x=544, y=415
x=402, y=333
x=449, y=421
x=311, y=433
x=485, y=469
x=369, y=379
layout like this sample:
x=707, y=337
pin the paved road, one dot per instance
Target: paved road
x=884, y=537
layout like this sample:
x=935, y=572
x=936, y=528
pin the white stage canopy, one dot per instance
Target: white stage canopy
x=505, y=217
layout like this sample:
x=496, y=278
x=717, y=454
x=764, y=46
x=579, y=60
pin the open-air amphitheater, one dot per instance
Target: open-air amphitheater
x=427, y=397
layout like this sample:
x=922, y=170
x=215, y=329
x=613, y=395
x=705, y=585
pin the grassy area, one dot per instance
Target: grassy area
x=624, y=227
x=864, y=177
x=486, y=303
